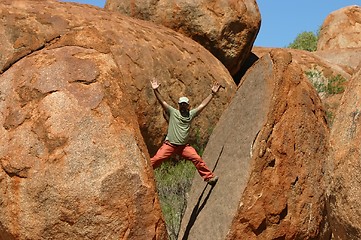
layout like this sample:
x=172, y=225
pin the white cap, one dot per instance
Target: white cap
x=183, y=100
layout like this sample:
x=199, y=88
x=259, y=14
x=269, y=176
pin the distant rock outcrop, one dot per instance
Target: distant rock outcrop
x=344, y=169
x=311, y=60
x=341, y=29
x=319, y=69
x=346, y=58
x=226, y=28
x=269, y=149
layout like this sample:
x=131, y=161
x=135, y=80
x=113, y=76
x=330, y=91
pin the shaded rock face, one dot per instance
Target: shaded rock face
x=344, y=189
x=73, y=163
x=341, y=29
x=226, y=28
x=269, y=149
x=140, y=49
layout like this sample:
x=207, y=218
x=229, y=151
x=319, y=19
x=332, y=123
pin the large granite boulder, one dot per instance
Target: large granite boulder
x=141, y=50
x=341, y=29
x=344, y=169
x=73, y=162
x=226, y=28
x=269, y=149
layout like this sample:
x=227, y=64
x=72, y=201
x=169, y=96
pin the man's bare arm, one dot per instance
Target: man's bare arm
x=155, y=86
x=215, y=89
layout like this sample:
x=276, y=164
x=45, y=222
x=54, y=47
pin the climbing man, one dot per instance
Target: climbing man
x=179, y=121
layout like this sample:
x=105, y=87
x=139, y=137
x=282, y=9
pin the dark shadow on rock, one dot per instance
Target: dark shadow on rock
x=200, y=204
x=252, y=58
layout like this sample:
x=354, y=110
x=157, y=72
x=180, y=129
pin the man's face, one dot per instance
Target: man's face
x=183, y=106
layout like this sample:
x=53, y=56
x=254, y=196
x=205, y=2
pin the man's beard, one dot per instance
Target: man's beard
x=184, y=112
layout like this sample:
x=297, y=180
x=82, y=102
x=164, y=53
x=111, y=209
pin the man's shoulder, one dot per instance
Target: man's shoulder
x=193, y=112
x=171, y=109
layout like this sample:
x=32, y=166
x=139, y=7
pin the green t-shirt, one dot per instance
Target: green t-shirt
x=179, y=126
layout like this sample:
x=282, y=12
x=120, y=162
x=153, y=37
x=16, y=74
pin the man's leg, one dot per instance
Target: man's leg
x=191, y=154
x=164, y=152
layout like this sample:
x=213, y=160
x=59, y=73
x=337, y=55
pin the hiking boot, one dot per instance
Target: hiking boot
x=212, y=181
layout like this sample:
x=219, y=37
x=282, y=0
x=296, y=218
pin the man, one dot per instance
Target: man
x=179, y=121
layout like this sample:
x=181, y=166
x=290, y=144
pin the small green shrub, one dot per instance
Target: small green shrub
x=327, y=86
x=335, y=85
x=330, y=117
x=317, y=79
x=174, y=179
x=305, y=41
x=330, y=86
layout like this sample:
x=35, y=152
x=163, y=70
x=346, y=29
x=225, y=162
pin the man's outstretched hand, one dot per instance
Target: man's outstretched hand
x=215, y=87
x=155, y=84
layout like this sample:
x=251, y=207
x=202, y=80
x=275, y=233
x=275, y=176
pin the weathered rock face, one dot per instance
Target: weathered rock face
x=347, y=58
x=315, y=60
x=322, y=67
x=141, y=50
x=269, y=149
x=341, y=29
x=344, y=189
x=73, y=162
x=226, y=28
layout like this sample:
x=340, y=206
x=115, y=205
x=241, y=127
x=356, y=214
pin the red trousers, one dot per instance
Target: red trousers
x=187, y=152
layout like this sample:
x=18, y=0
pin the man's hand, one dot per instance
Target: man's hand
x=155, y=84
x=215, y=87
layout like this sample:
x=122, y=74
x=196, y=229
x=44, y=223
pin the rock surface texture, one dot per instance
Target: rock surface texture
x=79, y=121
x=344, y=169
x=72, y=156
x=269, y=149
x=77, y=113
x=322, y=61
x=341, y=29
x=141, y=50
x=347, y=58
x=321, y=67
x=226, y=28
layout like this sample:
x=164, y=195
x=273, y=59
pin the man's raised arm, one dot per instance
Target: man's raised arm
x=215, y=89
x=155, y=86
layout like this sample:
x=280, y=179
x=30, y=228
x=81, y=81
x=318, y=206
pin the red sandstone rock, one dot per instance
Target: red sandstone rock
x=344, y=169
x=226, y=28
x=73, y=162
x=341, y=29
x=269, y=150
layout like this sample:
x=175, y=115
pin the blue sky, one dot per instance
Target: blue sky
x=283, y=20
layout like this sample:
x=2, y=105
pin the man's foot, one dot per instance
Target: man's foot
x=212, y=181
